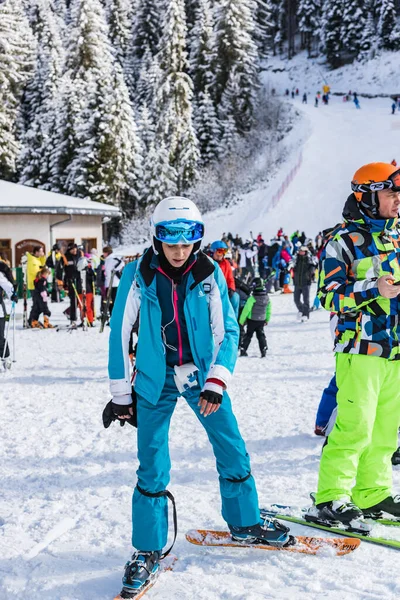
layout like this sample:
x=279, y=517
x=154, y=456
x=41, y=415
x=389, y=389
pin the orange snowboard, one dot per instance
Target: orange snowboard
x=304, y=545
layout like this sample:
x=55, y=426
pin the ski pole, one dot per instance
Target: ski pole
x=14, y=359
x=7, y=332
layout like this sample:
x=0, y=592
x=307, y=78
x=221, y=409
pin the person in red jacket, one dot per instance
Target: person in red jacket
x=219, y=250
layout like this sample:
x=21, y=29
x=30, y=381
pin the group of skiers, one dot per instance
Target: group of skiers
x=74, y=273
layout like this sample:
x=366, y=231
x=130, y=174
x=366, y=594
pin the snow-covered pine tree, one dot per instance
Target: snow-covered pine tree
x=331, y=30
x=146, y=128
x=388, y=30
x=145, y=36
x=353, y=24
x=119, y=18
x=203, y=51
x=191, y=8
x=41, y=97
x=281, y=28
x=159, y=176
x=230, y=137
x=309, y=21
x=148, y=84
x=17, y=51
x=238, y=55
x=369, y=40
x=175, y=123
x=108, y=163
x=264, y=26
x=208, y=128
x=99, y=149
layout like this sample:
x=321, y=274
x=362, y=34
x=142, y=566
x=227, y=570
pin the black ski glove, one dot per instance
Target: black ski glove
x=112, y=411
x=212, y=397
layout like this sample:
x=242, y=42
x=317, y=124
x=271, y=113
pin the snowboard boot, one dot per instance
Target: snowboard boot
x=396, y=457
x=47, y=324
x=337, y=513
x=36, y=325
x=286, y=289
x=140, y=571
x=264, y=352
x=243, y=352
x=267, y=531
x=390, y=506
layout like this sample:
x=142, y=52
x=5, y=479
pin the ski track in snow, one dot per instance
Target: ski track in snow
x=67, y=483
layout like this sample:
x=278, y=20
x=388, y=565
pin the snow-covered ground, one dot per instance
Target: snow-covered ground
x=66, y=483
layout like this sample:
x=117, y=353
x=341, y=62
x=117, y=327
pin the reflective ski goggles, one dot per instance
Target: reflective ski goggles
x=179, y=232
x=392, y=183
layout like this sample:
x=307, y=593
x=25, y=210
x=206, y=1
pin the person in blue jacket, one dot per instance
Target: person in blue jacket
x=187, y=346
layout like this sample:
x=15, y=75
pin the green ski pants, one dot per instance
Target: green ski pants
x=364, y=437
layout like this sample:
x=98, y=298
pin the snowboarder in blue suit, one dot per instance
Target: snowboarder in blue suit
x=187, y=346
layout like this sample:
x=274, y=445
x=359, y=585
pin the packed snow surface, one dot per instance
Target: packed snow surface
x=66, y=482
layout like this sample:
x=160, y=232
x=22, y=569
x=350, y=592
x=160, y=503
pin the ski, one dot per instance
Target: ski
x=380, y=520
x=277, y=514
x=167, y=564
x=301, y=544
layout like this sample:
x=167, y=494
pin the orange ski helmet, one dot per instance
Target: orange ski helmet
x=370, y=179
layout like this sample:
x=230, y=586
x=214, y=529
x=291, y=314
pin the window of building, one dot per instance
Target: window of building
x=5, y=251
x=88, y=244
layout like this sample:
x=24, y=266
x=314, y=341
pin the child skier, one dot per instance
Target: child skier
x=86, y=283
x=40, y=301
x=187, y=346
x=256, y=313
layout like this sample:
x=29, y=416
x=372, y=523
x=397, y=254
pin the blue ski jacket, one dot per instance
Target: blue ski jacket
x=211, y=325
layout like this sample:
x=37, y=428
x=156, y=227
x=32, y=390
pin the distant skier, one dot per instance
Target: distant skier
x=356, y=100
x=256, y=314
x=187, y=346
x=40, y=301
x=304, y=100
x=393, y=108
x=316, y=102
x=219, y=250
x=304, y=266
x=359, y=266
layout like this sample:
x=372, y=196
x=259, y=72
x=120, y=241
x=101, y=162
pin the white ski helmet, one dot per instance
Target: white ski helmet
x=176, y=220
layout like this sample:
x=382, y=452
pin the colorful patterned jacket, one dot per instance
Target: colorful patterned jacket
x=358, y=253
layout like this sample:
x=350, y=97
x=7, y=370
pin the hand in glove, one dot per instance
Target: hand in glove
x=211, y=397
x=14, y=297
x=118, y=412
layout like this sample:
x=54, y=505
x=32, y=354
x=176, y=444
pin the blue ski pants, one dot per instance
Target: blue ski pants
x=239, y=498
x=327, y=403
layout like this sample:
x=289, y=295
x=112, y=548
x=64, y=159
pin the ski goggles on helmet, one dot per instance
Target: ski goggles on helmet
x=179, y=232
x=391, y=183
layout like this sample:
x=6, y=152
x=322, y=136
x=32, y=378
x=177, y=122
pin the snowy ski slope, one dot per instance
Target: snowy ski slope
x=66, y=483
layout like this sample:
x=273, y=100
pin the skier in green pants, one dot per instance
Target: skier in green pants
x=359, y=277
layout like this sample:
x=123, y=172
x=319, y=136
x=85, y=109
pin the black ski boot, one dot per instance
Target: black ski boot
x=396, y=457
x=267, y=531
x=264, y=352
x=140, y=571
x=243, y=352
x=337, y=513
x=390, y=506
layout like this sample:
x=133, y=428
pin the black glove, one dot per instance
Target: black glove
x=14, y=297
x=112, y=411
x=212, y=397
